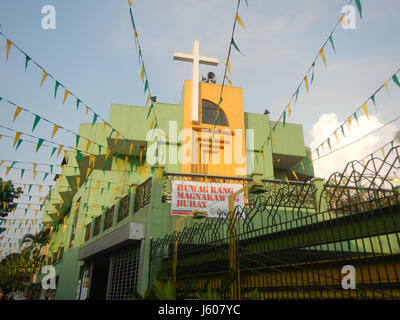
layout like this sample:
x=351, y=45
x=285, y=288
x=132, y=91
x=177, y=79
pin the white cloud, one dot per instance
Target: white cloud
x=336, y=161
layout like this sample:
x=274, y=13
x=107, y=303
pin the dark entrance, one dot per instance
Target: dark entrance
x=98, y=288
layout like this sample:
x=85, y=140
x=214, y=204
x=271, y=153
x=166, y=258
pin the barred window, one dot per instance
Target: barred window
x=96, y=228
x=109, y=217
x=124, y=207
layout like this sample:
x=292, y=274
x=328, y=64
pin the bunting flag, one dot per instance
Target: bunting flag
x=228, y=66
x=66, y=95
x=39, y=144
x=35, y=122
x=289, y=110
x=396, y=80
x=94, y=119
x=358, y=4
x=321, y=53
x=9, y=44
x=45, y=74
x=239, y=20
x=229, y=81
x=386, y=86
x=294, y=174
x=331, y=41
x=57, y=84
x=27, y=59
x=364, y=106
x=17, y=136
x=306, y=82
x=236, y=47
x=17, y=112
x=55, y=129
x=142, y=73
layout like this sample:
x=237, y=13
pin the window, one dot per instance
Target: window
x=209, y=112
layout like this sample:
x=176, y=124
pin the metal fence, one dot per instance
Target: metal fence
x=143, y=195
x=294, y=241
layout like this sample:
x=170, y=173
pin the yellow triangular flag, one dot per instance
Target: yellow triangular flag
x=294, y=173
x=40, y=188
x=349, y=122
x=59, y=150
x=104, y=125
x=66, y=155
x=17, y=136
x=302, y=165
x=230, y=82
x=45, y=74
x=34, y=174
x=88, y=172
x=306, y=82
x=9, y=44
x=342, y=20
x=321, y=52
x=130, y=3
x=17, y=112
x=383, y=151
x=1, y=162
x=148, y=99
x=108, y=153
x=130, y=148
x=336, y=135
x=238, y=19
x=87, y=110
x=88, y=144
x=142, y=73
x=136, y=35
x=287, y=180
x=78, y=180
x=116, y=137
x=289, y=110
x=365, y=110
x=228, y=66
x=65, y=95
x=55, y=129
x=119, y=164
x=7, y=171
x=386, y=86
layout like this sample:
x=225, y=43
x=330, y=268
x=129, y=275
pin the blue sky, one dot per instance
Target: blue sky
x=92, y=53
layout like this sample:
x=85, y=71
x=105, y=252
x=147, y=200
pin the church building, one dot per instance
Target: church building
x=112, y=202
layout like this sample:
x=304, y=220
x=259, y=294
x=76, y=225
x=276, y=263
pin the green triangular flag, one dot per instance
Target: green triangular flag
x=22, y=174
x=133, y=22
x=148, y=114
x=236, y=47
x=77, y=140
x=101, y=192
x=333, y=46
x=52, y=152
x=284, y=118
x=109, y=183
x=341, y=127
x=77, y=103
x=318, y=152
x=396, y=81
x=373, y=100
x=329, y=143
x=18, y=144
x=26, y=62
x=37, y=119
x=358, y=3
x=146, y=86
x=45, y=176
x=51, y=168
x=312, y=75
x=355, y=117
x=99, y=149
x=56, y=89
x=94, y=119
x=29, y=188
x=39, y=144
x=297, y=93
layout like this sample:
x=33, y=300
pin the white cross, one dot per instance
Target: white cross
x=196, y=59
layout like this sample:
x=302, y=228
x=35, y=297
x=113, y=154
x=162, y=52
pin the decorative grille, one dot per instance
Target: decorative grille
x=143, y=194
x=109, y=217
x=123, y=274
x=96, y=228
x=124, y=207
x=87, y=234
